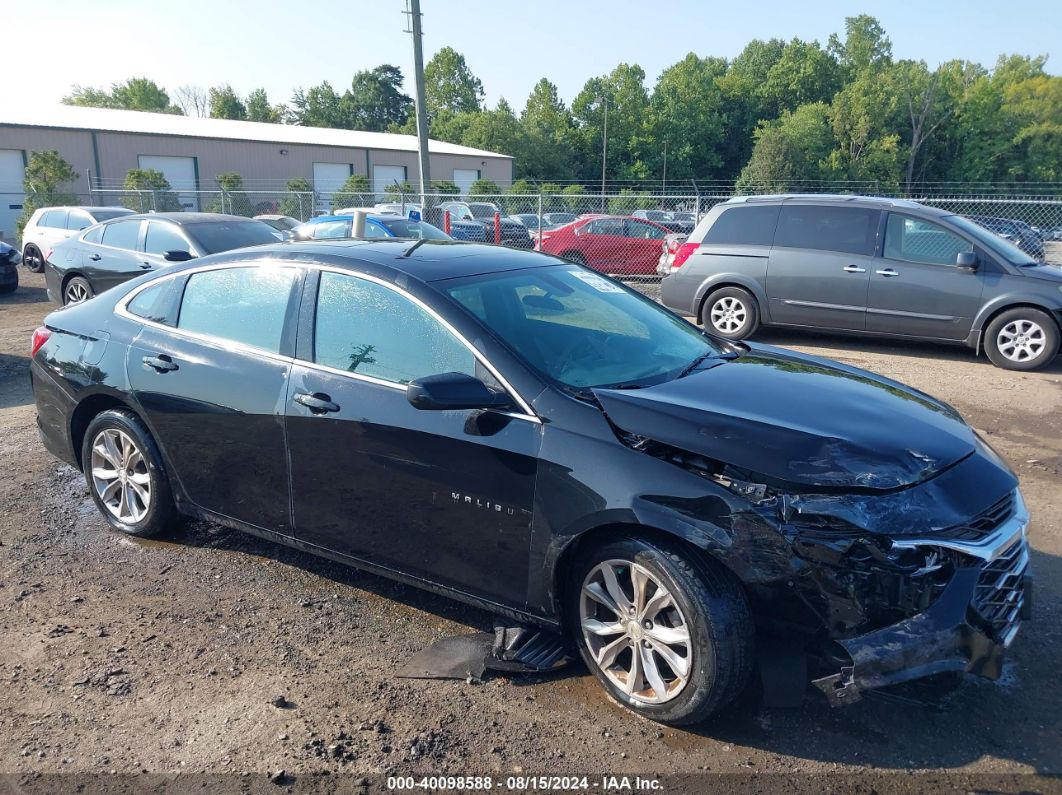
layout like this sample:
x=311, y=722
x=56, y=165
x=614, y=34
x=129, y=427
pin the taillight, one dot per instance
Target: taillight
x=40, y=336
x=683, y=254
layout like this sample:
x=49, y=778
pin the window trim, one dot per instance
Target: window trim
x=105, y=224
x=525, y=413
x=877, y=244
x=885, y=235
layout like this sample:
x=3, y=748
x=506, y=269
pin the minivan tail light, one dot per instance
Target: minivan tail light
x=683, y=254
x=40, y=336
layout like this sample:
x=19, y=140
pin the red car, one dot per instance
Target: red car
x=607, y=243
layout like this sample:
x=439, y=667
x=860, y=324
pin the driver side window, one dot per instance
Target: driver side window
x=918, y=240
x=365, y=328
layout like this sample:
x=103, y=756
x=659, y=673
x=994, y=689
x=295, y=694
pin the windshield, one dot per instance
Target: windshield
x=417, y=230
x=994, y=243
x=217, y=236
x=580, y=329
x=482, y=210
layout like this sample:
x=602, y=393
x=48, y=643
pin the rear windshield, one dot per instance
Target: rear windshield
x=216, y=236
x=482, y=210
x=404, y=227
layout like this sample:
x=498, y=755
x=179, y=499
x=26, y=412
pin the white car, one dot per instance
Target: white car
x=51, y=225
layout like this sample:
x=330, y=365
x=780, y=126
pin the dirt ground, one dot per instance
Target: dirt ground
x=171, y=656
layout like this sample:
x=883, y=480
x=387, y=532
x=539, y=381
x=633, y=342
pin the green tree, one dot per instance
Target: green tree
x=355, y=192
x=259, y=109
x=161, y=197
x=1035, y=104
x=931, y=101
x=865, y=48
x=449, y=84
x=805, y=73
x=375, y=101
x=495, y=130
x=575, y=200
x=623, y=91
x=484, y=187
x=300, y=201
x=524, y=197
x=320, y=106
x=790, y=153
x=136, y=93
x=445, y=187
x=549, y=150
x=226, y=104
x=44, y=182
x=398, y=191
x=232, y=200
x=628, y=201
x=744, y=104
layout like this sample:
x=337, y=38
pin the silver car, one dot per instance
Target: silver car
x=51, y=225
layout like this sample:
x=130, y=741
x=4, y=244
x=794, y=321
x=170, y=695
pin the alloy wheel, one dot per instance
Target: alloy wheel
x=728, y=314
x=1021, y=340
x=120, y=475
x=76, y=293
x=635, y=631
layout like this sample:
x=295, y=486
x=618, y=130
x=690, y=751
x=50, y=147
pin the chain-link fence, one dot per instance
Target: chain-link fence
x=630, y=231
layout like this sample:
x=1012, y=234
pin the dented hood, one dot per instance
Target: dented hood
x=798, y=421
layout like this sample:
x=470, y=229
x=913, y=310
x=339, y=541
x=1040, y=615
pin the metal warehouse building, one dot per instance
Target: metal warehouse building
x=103, y=145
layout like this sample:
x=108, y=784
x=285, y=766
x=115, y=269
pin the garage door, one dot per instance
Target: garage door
x=464, y=177
x=327, y=179
x=383, y=177
x=11, y=196
x=180, y=172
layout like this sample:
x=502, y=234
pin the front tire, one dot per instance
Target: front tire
x=731, y=313
x=33, y=259
x=125, y=474
x=667, y=632
x=1022, y=339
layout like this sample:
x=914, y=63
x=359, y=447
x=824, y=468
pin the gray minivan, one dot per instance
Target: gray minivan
x=866, y=265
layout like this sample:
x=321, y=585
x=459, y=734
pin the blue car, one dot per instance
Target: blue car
x=381, y=225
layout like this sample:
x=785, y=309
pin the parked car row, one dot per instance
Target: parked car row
x=9, y=260
x=1021, y=234
x=51, y=225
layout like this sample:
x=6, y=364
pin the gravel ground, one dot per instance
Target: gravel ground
x=216, y=653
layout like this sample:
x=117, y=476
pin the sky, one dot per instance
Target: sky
x=509, y=46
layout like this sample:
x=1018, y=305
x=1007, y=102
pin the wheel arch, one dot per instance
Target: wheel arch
x=86, y=411
x=994, y=310
x=745, y=283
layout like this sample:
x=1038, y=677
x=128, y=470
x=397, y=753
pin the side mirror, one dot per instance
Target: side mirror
x=966, y=260
x=452, y=392
x=177, y=255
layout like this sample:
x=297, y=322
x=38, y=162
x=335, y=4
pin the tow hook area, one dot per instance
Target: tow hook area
x=840, y=689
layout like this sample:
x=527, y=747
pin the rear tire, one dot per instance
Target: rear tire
x=33, y=259
x=690, y=632
x=77, y=290
x=730, y=312
x=125, y=474
x=1022, y=339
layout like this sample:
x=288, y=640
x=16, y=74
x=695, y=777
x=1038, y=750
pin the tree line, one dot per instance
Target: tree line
x=779, y=115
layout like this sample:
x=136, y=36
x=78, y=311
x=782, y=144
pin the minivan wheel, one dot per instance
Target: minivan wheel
x=1022, y=339
x=731, y=313
x=32, y=259
x=667, y=632
x=77, y=291
x=124, y=472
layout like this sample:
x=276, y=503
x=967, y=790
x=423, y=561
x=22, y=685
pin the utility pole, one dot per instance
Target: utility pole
x=604, y=154
x=413, y=10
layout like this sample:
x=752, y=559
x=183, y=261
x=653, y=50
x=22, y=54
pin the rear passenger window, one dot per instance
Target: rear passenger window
x=850, y=230
x=153, y=303
x=122, y=234
x=244, y=305
x=606, y=226
x=744, y=226
x=55, y=219
x=94, y=235
x=918, y=240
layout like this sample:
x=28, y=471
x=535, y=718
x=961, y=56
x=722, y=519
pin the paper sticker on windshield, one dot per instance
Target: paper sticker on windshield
x=599, y=284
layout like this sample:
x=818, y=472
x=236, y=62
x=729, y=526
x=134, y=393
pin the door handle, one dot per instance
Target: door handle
x=145, y=265
x=95, y=258
x=854, y=269
x=160, y=364
x=317, y=403
x=887, y=272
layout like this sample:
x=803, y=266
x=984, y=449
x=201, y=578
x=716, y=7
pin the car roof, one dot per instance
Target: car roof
x=86, y=207
x=181, y=218
x=373, y=216
x=425, y=260
x=835, y=198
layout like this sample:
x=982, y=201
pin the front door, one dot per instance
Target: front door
x=115, y=257
x=643, y=246
x=213, y=390
x=443, y=495
x=819, y=268
x=917, y=289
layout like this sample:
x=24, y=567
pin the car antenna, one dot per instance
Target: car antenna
x=409, y=251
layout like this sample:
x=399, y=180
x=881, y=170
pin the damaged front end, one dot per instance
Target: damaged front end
x=862, y=587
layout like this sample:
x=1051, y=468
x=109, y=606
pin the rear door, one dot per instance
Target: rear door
x=604, y=243
x=117, y=257
x=49, y=230
x=211, y=382
x=643, y=246
x=917, y=289
x=819, y=269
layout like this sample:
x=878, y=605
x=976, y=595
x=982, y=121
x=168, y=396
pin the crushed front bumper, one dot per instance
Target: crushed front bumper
x=967, y=628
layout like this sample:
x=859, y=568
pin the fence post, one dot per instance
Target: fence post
x=222, y=201
x=538, y=243
x=154, y=201
x=697, y=201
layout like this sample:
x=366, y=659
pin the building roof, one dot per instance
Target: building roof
x=70, y=117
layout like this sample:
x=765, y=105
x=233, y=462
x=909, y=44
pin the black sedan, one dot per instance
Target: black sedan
x=524, y=434
x=115, y=251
